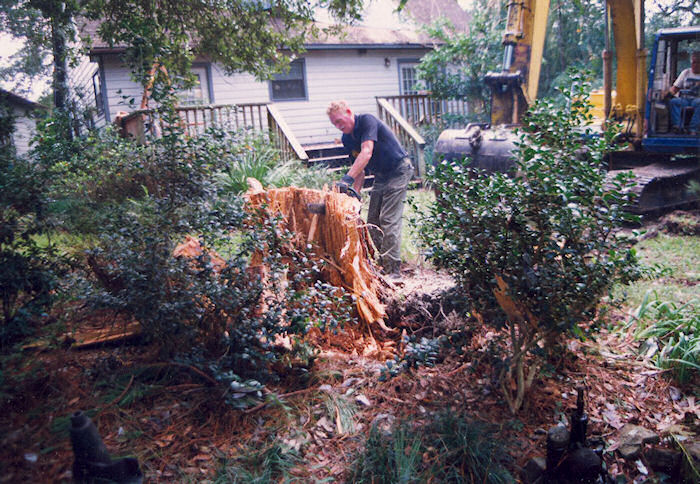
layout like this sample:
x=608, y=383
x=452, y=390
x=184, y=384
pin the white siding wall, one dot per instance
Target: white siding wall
x=82, y=88
x=120, y=88
x=330, y=74
x=25, y=129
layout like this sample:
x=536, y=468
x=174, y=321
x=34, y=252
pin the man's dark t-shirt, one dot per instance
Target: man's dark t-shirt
x=387, y=153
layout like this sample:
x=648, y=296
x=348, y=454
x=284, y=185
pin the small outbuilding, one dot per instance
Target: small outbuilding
x=21, y=113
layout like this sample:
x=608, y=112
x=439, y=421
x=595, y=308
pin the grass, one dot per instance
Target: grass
x=678, y=258
x=272, y=462
x=448, y=449
x=389, y=459
x=340, y=410
x=664, y=307
x=416, y=200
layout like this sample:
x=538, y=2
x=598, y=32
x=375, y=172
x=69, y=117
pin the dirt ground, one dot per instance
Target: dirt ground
x=175, y=422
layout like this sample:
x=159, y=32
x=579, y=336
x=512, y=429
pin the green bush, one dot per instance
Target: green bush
x=535, y=251
x=108, y=173
x=28, y=278
x=225, y=320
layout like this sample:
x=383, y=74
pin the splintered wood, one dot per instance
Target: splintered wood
x=338, y=235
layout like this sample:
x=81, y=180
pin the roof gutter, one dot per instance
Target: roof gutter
x=118, y=50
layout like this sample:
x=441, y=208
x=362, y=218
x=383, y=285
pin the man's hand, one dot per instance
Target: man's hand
x=345, y=186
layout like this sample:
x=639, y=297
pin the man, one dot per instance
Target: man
x=372, y=145
x=688, y=85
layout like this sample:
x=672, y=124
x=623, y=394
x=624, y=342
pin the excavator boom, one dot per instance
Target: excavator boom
x=647, y=145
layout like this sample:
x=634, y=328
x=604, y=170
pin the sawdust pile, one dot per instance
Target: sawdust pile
x=338, y=236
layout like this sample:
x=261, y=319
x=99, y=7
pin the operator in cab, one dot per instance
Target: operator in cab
x=687, y=90
x=372, y=145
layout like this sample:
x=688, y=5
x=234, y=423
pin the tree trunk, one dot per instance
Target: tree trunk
x=60, y=70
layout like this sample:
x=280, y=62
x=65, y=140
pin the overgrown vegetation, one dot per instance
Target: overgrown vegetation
x=271, y=462
x=450, y=448
x=253, y=156
x=229, y=309
x=534, y=251
x=671, y=335
x=30, y=271
x=221, y=308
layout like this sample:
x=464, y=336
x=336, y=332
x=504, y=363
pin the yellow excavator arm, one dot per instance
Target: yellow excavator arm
x=514, y=88
x=627, y=20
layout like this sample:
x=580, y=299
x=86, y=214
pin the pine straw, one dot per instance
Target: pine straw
x=183, y=429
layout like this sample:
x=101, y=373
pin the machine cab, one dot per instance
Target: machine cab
x=671, y=54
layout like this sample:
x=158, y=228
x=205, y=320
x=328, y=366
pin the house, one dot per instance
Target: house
x=25, y=113
x=376, y=58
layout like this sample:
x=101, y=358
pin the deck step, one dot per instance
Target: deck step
x=330, y=161
x=324, y=150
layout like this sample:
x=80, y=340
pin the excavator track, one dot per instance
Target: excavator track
x=661, y=186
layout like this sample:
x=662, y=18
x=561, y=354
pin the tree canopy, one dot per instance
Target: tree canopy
x=255, y=36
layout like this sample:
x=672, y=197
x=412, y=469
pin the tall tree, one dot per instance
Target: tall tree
x=670, y=13
x=255, y=36
x=455, y=69
x=46, y=26
x=575, y=38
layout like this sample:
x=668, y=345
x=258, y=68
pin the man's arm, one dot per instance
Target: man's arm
x=357, y=170
x=359, y=182
x=676, y=86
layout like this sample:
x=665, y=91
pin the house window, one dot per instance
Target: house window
x=97, y=90
x=199, y=92
x=408, y=78
x=289, y=85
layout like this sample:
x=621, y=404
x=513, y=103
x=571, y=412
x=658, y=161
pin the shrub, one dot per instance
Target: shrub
x=29, y=271
x=535, y=251
x=108, y=173
x=224, y=316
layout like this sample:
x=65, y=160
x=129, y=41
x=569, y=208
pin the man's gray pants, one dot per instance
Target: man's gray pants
x=385, y=213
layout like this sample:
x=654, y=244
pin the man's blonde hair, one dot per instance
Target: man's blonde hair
x=336, y=106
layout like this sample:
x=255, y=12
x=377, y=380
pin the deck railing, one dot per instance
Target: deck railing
x=287, y=143
x=420, y=109
x=195, y=120
x=408, y=136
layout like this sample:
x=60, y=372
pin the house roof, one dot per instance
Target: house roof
x=17, y=99
x=381, y=27
x=426, y=12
